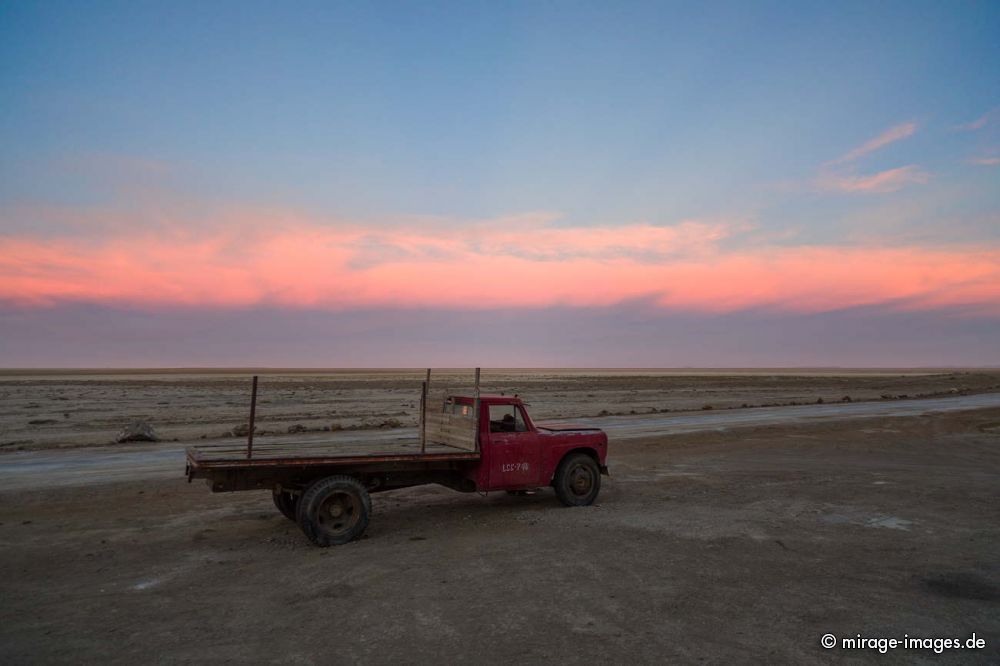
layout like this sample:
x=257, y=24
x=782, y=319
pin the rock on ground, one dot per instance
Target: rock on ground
x=241, y=430
x=137, y=431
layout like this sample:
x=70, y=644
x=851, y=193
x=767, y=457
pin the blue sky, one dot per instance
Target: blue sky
x=122, y=119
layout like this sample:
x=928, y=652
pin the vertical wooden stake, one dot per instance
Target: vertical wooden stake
x=423, y=411
x=253, y=413
x=423, y=417
x=476, y=408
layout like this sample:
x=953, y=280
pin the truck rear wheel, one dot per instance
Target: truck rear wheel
x=287, y=504
x=334, y=510
x=577, y=480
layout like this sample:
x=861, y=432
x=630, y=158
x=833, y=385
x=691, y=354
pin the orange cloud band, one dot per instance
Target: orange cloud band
x=524, y=263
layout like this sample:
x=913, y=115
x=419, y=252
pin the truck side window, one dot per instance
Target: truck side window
x=506, y=418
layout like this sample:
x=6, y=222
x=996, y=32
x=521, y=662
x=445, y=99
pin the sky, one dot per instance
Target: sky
x=499, y=184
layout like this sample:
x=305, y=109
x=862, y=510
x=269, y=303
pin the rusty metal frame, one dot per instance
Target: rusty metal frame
x=195, y=463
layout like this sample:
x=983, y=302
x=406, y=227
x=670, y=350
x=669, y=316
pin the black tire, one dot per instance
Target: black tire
x=334, y=510
x=287, y=504
x=577, y=480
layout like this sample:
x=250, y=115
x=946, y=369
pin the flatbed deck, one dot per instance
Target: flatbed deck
x=323, y=452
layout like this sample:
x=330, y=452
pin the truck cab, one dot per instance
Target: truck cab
x=517, y=454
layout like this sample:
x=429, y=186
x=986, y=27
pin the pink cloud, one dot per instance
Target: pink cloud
x=839, y=175
x=524, y=262
x=891, y=135
x=890, y=180
x=979, y=123
x=985, y=161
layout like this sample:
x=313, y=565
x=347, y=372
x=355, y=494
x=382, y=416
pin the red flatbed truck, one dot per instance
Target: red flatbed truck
x=470, y=443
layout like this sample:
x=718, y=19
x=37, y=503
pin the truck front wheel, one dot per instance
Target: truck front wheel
x=577, y=480
x=334, y=510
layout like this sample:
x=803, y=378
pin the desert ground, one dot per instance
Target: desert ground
x=743, y=541
x=59, y=409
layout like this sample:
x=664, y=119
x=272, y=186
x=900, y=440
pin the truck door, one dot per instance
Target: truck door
x=515, y=454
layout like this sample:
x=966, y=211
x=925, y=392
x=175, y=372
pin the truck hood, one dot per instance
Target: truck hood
x=563, y=426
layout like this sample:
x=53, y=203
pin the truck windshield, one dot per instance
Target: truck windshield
x=506, y=418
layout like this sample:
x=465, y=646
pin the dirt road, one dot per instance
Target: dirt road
x=52, y=468
x=705, y=546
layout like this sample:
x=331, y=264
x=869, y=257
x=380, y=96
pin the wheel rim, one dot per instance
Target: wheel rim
x=338, y=513
x=581, y=480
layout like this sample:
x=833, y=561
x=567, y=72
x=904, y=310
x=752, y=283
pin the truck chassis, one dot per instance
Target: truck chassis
x=325, y=486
